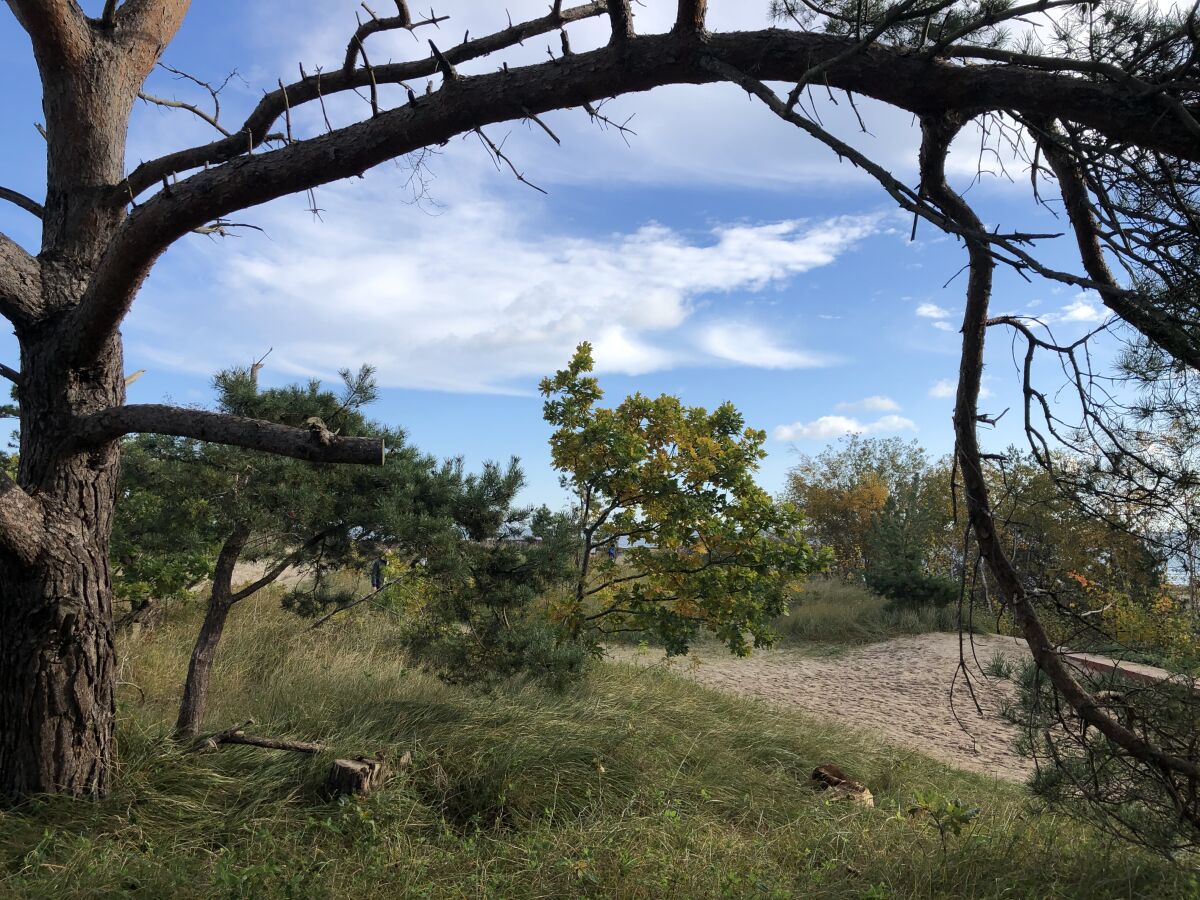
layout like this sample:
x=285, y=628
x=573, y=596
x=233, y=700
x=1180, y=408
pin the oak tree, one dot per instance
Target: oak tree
x=674, y=535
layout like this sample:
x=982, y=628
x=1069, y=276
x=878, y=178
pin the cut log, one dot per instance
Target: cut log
x=356, y=777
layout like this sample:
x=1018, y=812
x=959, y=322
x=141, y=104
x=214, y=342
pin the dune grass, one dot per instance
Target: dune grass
x=636, y=783
x=830, y=611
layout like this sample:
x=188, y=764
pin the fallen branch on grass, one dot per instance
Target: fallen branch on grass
x=348, y=777
x=237, y=735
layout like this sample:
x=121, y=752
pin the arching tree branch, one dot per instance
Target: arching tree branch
x=887, y=74
x=315, y=444
x=258, y=125
x=937, y=133
x=640, y=64
x=1142, y=316
x=26, y=203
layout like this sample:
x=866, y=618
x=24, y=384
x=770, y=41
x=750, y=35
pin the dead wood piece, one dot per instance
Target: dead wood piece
x=237, y=736
x=831, y=777
x=357, y=777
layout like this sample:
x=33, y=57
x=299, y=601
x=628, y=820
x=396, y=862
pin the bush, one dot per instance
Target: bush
x=913, y=590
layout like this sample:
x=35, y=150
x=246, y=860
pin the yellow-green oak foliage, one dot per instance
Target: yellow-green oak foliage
x=675, y=536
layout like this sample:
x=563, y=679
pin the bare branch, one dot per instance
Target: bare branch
x=1141, y=316
x=179, y=104
x=886, y=74
x=690, y=18
x=498, y=157
x=10, y=373
x=237, y=735
x=20, y=283
x=58, y=29
x=621, y=16
x=446, y=67
x=639, y=64
x=312, y=444
x=937, y=133
x=26, y=203
x=313, y=87
x=374, y=25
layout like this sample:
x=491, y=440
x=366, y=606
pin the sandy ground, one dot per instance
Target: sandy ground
x=898, y=690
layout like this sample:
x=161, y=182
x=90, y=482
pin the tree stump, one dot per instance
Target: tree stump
x=356, y=777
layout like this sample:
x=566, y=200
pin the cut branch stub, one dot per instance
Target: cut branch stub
x=690, y=19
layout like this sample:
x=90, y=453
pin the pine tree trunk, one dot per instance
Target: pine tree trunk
x=57, y=662
x=57, y=659
x=204, y=652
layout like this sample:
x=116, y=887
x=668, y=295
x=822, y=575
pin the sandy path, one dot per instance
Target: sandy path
x=898, y=690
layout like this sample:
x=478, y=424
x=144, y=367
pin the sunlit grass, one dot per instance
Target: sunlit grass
x=635, y=783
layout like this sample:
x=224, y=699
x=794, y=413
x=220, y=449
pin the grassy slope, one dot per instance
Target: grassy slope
x=636, y=784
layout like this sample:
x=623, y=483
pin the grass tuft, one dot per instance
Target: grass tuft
x=827, y=610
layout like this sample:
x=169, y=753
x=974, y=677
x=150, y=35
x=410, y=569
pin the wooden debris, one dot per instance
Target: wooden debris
x=359, y=777
x=831, y=777
x=237, y=735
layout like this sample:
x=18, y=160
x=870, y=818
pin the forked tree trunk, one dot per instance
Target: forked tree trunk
x=204, y=652
x=57, y=661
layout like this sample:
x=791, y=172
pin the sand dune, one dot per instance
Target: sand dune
x=899, y=690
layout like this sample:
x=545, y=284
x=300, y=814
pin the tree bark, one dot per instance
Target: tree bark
x=220, y=601
x=57, y=661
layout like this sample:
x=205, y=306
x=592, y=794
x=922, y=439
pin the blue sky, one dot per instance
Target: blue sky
x=720, y=255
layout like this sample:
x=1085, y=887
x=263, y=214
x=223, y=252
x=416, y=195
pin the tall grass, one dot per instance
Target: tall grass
x=634, y=784
x=827, y=610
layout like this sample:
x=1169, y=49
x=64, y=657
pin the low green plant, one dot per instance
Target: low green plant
x=947, y=817
x=1000, y=666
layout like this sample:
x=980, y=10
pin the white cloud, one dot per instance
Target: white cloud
x=944, y=326
x=748, y=345
x=478, y=298
x=947, y=387
x=932, y=311
x=877, y=403
x=943, y=388
x=1081, y=309
x=829, y=427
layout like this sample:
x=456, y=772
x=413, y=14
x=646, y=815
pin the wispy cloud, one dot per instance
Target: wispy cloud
x=947, y=387
x=749, y=345
x=479, y=298
x=829, y=427
x=876, y=403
